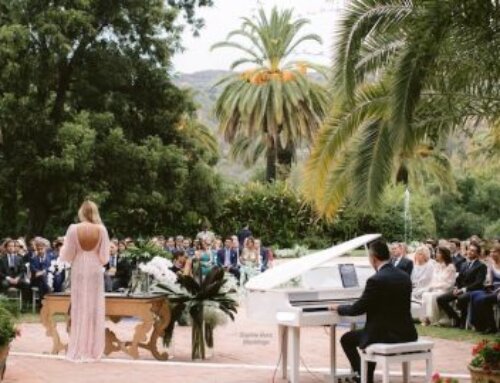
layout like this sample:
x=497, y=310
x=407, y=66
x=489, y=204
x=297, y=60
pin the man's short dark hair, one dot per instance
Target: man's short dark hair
x=456, y=241
x=380, y=250
x=179, y=253
x=477, y=246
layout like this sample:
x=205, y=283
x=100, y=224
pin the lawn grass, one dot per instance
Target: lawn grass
x=453, y=334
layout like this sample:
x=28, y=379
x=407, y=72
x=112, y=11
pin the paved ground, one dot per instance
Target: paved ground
x=245, y=352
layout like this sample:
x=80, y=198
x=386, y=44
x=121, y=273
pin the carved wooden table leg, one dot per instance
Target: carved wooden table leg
x=141, y=331
x=47, y=318
x=163, y=316
x=112, y=342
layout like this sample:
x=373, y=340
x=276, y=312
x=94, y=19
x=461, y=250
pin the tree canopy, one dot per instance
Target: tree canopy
x=87, y=108
x=405, y=75
x=274, y=107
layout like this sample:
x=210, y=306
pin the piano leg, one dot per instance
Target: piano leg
x=283, y=342
x=333, y=354
x=294, y=353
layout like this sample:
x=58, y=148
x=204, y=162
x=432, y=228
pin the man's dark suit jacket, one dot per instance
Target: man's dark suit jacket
x=458, y=261
x=386, y=301
x=221, y=256
x=404, y=264
x=472, y=278
x=123, y=272
x=14, y=272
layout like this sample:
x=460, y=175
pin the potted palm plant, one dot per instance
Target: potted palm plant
x=199, y=300
x=485, y=366
x=8, y=332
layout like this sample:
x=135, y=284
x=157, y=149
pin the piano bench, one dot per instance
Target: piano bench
x=404, y=353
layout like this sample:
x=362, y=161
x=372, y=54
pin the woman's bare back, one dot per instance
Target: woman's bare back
x=88, y=235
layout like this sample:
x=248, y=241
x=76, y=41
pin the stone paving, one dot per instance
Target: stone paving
x=244, y=352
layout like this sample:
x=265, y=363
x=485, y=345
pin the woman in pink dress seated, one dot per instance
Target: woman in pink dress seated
x=86, y=247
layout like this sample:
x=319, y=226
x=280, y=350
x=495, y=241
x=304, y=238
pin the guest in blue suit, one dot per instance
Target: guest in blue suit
x=39, y=265
x=227, y=258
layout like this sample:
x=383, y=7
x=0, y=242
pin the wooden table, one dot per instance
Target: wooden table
x=152, y=310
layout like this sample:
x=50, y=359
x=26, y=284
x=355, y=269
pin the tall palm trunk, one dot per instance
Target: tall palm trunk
x=285, y=157
x=271, y=158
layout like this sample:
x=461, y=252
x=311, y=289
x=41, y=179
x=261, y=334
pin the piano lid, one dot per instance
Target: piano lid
x=283, y=273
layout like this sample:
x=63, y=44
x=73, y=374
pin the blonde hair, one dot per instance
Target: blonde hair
x=89, y=212
x=424, y=250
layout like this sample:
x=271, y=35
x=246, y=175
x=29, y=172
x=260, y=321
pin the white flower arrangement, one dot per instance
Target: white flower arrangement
x=159, y=268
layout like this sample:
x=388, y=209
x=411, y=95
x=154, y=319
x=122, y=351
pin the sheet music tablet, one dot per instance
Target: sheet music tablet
x=348, y=275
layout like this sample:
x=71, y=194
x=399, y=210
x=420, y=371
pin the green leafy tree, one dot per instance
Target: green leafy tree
x=405, y=75
x=275, y=103
x=473, y=209
x=87, y=108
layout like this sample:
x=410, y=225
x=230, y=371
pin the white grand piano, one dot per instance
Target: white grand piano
x=297, y=294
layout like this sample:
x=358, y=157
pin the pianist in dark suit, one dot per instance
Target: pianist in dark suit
x=386, y=301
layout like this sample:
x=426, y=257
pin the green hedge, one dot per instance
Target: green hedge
x=280, y=217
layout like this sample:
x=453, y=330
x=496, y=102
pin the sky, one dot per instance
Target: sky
x=225, y=16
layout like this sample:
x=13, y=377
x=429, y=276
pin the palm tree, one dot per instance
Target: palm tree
x=406, y=74
x=274, y=102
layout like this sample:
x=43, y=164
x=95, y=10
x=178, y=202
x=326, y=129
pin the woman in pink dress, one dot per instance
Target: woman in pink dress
x=86, y=247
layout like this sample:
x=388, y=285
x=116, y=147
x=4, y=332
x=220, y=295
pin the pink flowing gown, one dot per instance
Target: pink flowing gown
x=86, y=338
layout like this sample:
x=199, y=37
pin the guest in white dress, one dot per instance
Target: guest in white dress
x=423, y=270
x=443, y=281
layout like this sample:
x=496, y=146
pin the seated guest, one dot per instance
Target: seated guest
x=179, y=262
x=386, y=302
x=58, y=271
x=187, y=246
x=482, y=317
x=179, y=242
x=227, y=258
x=40, y=264
x=236, y=246
x=457, y=258
x=217, y=245
x=432, y=245
x=170, y=244
x=443, y=281
x=203, y=261
x=12, y=268
x=111, y=282
x=122, y=247
x=263, y=255
x=129, y=242
x=423, y=270
x=399, y=258
x=21, y=249
x=249, y=261
x=470, y=278
x=30, y=251
x=161, y=241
